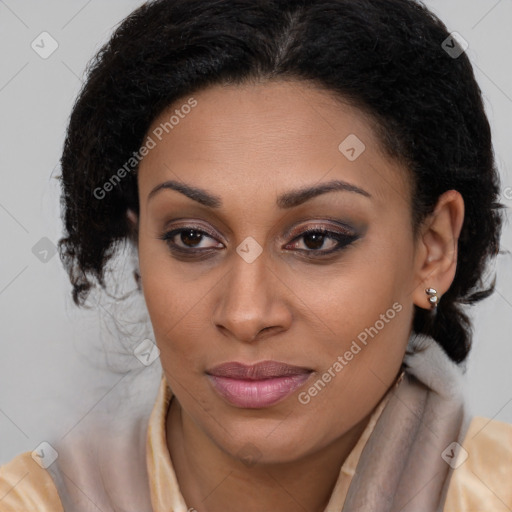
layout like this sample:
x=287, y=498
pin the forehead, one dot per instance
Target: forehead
x=267, y=138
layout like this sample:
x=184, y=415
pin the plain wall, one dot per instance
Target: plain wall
x=48, y=381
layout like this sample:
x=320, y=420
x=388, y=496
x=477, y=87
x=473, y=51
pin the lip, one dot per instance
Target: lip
x=259, y=385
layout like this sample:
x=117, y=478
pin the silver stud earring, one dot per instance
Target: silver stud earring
x=433, y=297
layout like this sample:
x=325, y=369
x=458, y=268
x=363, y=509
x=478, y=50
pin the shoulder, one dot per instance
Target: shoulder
x=25, y=485
x=482, y=474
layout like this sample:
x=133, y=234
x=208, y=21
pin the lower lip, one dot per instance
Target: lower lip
x=255, y=394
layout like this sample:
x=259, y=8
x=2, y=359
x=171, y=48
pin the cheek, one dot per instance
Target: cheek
x=359, y=368
x=178, y=305
x=350, y=296
x=167, y=299
x=368, y=314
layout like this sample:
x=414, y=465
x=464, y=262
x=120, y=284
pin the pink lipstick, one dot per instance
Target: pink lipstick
x=259, y=385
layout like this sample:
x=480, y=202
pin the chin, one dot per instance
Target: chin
x=264, y=442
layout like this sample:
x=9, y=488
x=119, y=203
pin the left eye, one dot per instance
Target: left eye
x=314, y=240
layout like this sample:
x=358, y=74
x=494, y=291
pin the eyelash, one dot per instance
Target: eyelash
x=343, y=239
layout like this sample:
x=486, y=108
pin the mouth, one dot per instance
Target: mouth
x=259, y=385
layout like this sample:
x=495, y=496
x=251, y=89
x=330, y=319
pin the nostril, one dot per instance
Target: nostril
x=266, y=331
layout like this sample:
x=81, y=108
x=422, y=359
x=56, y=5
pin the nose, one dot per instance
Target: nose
x=252, y=301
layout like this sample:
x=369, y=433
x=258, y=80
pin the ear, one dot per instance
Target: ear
x=436, y=248
x=133, y=221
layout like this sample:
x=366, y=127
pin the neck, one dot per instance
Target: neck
x=211, y=480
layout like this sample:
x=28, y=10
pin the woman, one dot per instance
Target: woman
x=311, y=191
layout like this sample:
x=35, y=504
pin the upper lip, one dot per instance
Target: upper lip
x=258, y=371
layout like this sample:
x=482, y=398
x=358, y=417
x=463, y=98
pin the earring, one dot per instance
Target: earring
x=433, y=297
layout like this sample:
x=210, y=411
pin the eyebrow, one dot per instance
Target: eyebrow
x=289, y=199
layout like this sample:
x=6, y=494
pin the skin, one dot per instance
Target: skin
x=248, y=144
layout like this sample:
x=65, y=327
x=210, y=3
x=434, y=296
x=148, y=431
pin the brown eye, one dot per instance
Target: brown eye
x=315, y=240
x=189, y=239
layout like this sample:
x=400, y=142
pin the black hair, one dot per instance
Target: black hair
x=393, y=59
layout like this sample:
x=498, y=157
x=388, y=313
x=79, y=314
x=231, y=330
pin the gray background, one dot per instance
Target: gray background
x=51, y=367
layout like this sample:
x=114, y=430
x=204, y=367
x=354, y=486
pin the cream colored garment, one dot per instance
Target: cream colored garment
x=482, y=483
x=25, y=486
x=168, y=497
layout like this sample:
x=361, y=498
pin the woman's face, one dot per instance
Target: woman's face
x=231, y=279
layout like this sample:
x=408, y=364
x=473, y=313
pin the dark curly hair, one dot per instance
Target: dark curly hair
x=389, y=58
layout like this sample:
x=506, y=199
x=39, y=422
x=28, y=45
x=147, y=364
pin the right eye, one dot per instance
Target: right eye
x=188, y=239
